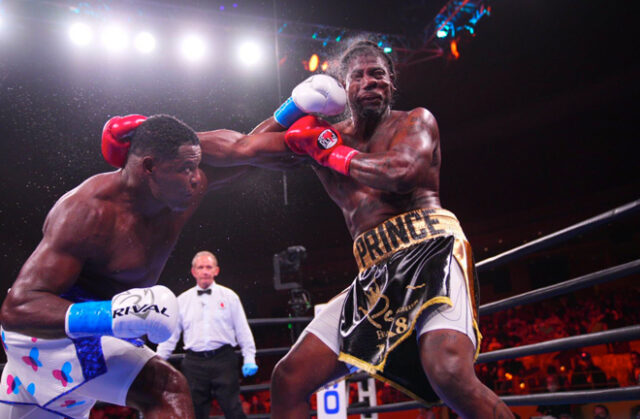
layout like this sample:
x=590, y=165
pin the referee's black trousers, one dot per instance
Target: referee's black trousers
x=215, y=376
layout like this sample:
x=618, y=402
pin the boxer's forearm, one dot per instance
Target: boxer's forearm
x=230, y=148
x=393, y=172
x=39, y=314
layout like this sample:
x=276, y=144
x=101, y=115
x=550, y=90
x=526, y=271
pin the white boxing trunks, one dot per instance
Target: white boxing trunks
x=49, y=378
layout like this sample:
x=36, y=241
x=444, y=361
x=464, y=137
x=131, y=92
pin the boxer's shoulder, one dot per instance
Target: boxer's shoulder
x=83, y=210
x=416, y=121
x=344, y=126
x=417, y=115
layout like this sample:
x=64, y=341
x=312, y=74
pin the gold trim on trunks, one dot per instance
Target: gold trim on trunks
x=403, y=231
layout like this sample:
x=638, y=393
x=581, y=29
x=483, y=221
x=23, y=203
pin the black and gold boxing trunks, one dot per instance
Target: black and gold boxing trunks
x=404, y=271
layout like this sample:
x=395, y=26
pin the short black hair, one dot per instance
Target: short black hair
x=365, y=47
x=161, y=136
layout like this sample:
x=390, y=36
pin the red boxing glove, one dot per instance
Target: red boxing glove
x=115, y=138
x=317, y=138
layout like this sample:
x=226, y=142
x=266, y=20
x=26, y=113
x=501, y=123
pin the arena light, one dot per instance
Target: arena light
x=114, y=38
x=249, y=53
x=454, y=49
x=193, y=48
x=80, y=34
x=325, y=65
x=145, y=42
x=313, y=62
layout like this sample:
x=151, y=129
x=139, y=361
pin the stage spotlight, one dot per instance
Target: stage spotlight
x=80, y=34
x=313, y=62
x=325, y=65
x=114, y=38
x=193, y=48
x=145, y=42
x=249, y=53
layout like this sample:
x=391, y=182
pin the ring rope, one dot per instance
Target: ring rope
x=594, y=278
x=563, y=397
x=572, y=342
x=559, y=236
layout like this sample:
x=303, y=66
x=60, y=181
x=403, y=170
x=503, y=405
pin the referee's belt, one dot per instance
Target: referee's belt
x=209, y=354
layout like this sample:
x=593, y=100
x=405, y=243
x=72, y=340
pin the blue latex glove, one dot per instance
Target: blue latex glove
x=249, y=369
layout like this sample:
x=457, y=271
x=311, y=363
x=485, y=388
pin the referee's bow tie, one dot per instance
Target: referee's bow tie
x=207, y=291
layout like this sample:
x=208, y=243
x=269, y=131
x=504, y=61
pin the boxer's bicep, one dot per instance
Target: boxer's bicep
x=33, y=305
x=219, y=147
x=413, y=150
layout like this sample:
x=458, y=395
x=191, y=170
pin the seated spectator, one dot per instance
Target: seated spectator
x=553, y=385
x=256, y=405
x=587, y=375
x=246, y=406
x=600, y=411
x=634, y=372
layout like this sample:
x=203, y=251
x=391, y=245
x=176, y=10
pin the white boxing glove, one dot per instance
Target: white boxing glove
x=319, y=94
x=130, y=314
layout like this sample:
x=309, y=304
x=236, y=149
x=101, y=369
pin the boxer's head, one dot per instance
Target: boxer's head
x=368, y=75
x=204, y=268
x=169, y=152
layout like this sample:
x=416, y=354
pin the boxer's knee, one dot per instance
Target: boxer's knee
x=283, y=376
x=288, y=379
x=157, y=384
x=447, y=360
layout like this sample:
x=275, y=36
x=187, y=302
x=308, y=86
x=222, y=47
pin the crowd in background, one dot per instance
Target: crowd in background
x=605, y=366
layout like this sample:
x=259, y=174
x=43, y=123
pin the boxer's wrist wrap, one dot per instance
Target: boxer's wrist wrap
x=288, y=113
x=92, y=318
x=340, y=159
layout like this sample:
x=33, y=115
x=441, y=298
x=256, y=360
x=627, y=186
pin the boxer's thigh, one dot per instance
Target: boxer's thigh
x=9, y=411
x=124, y=362
x=325, y=326
x=458, y=317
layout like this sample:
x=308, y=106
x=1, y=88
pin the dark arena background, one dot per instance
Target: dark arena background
x=535, y=102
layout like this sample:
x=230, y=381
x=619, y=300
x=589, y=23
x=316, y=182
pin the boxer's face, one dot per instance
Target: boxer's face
x=369, y=86
x=175, y=181
x=204, y=270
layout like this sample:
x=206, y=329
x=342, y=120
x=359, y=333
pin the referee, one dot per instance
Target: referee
x=213, y=322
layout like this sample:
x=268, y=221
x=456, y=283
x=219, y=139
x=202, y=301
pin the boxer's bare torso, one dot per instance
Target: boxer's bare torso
x=111, y=233
x=123, y=247
x=364, y=206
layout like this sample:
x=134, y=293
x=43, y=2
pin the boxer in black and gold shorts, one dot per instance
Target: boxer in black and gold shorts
x=382, y=169
x=416, y=275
